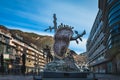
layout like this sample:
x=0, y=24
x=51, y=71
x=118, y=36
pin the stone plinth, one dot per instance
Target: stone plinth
x=67, y=79
x=64, y=75
x=61, y=66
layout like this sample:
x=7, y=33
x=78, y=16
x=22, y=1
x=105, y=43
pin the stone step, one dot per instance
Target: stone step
x=67, y=79
x=64, y=75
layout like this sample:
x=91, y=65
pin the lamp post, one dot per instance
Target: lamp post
x=10, y=68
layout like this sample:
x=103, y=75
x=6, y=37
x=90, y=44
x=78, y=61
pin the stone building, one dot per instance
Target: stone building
x=5, y=49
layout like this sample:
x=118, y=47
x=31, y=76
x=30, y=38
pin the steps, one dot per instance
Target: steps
x=66, y=79
x=64, y=76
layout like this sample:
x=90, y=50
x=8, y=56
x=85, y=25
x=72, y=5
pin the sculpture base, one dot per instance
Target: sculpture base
x=63, y=69
x=64, y=75
x=61, y=66
x=66, y=79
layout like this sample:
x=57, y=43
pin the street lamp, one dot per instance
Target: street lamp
x=10, y=68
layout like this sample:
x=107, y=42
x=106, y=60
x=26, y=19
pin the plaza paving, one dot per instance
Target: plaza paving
x=28, y=77
x=108, y=77
x=15, y=77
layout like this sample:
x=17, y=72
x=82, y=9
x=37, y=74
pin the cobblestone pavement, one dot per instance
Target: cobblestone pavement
x=15, y=77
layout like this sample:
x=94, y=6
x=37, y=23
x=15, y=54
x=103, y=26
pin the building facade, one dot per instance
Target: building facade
x=5, y=49
x=103, y=44
x=34, y=58
x=13, y=46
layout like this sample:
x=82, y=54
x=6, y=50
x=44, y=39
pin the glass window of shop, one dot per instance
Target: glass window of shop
x=109, y=67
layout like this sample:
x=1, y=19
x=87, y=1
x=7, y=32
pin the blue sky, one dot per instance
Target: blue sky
x=37, y=15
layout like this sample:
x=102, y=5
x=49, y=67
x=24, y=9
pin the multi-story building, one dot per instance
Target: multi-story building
x=95, y=45
x=111, y=10
x=34, y=57
x=104, y=39
x=13, y=46
x=6, y=49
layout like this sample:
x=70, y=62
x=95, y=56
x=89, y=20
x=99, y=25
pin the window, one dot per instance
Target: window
x=109, y=65
x=116, y=14
x=109, y=1
x=7, y=40
x=113, y=8
x=8, y=50
x=1, y=48
x=0, y=37
x=110, y=46
x=114, y=21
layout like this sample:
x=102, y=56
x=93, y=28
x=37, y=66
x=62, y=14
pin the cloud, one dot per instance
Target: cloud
x=37, y=18
x=37, y=15
x=77, y=16
x=29, y=30
x=79, y=48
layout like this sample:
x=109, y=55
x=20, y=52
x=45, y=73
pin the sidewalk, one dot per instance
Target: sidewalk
x=30, y=77
x=107, y=77
x=15, y=77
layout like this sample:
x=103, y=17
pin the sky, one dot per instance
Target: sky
x=37, y=15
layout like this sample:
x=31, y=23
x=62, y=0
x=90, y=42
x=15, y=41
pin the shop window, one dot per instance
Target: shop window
x=109, y=66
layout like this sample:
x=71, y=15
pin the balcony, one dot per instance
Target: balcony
x=98, y=62
x=110, y=53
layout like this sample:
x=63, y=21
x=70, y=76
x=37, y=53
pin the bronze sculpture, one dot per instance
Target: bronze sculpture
x=63, y=36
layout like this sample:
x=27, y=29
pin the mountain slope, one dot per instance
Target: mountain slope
x=37, y=40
